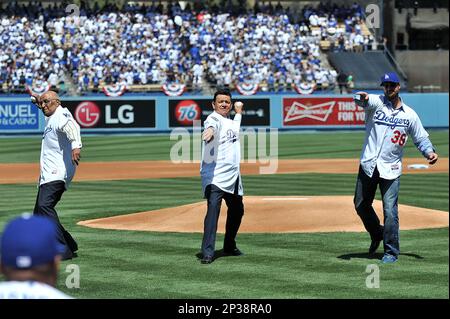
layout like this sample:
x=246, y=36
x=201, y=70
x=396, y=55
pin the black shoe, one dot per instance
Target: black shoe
x=68, y=256
x=374, y=246
x=234, y=252
x=207, y=260
x=70, y=241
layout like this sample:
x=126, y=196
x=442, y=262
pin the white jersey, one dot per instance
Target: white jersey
x=221, y=157
x=61, y=135
x=29, y=290
x=387, y=131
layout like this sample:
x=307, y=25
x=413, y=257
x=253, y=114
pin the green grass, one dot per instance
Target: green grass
x=131, y=264
x=139, y=148
x=124, y=264
x=164, y=265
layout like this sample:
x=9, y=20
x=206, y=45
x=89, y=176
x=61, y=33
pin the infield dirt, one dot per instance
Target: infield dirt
x=266, y=214
x=262, y=213
x=90, y=171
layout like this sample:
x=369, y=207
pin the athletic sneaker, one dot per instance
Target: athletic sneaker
x=388, y=259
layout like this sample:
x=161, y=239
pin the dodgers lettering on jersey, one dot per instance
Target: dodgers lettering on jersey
x=222, y=155
x=387, y=130
x=29, y=290
x=382, y=119
x=56, y=150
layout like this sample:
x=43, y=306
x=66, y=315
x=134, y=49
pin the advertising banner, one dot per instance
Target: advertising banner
x=256, y=112
x=18, y=116
x=113, y=113
x=322, y=111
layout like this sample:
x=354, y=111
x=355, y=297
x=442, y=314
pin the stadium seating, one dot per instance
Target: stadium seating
x=365, y=68
x=149, y=48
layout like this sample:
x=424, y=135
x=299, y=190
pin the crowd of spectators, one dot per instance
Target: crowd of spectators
x=26, y=55
x=155, y=44
x=341, y=26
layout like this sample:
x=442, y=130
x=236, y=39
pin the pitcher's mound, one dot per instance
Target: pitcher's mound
x=265, y=214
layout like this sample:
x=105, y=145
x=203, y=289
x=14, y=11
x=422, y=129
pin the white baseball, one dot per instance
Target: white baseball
x=238, y=104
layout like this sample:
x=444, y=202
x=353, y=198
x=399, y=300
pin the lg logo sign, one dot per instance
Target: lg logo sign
x=125, y=115
x=88, y=114
x=113, y=114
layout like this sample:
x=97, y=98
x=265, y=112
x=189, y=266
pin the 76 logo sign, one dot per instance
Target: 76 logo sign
x=399, y=138
x=187, y=111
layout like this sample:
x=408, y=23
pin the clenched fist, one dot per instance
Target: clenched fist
x=35, y=99
x=238, y=107
x=208, y=134
x=361, y=98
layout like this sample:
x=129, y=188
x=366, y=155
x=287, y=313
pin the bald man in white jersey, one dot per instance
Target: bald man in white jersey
x=60, y=154
x=220, y=172
x=389, y=122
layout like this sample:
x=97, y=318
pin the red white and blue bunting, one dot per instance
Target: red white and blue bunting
x=173, y=89
x=38, y=89
x=114, y=90
x=304, y=88
x=247, y=88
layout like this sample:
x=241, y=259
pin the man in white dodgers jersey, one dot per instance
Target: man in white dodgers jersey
x=220, y=172
x=389, y=121
x=30, y=257
x=60, y=154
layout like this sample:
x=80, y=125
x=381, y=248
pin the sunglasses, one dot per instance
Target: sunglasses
x=46, y=101
x=390, y=84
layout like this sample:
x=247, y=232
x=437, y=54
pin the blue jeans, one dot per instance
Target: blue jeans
x=366, y=188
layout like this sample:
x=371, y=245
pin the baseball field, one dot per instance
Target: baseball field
x=138, y=219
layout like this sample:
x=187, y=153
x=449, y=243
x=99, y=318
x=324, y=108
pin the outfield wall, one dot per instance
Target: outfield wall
x=147, y=114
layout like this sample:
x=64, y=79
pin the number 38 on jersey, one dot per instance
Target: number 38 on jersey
x=398, y=137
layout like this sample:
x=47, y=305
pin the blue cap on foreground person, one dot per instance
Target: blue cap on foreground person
x=29, y=241
x=30, y=256
x=389, y=77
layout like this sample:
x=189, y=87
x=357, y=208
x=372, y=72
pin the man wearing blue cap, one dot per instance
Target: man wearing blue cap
x=30, y=256
x=389, y=122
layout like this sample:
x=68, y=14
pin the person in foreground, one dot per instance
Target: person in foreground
x=220, y=173
x=60, y=154
x=389, y=122
x=30, y=257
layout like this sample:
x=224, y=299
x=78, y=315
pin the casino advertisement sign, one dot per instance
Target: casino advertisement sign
x=183, y=113
x=18, y=116
x=321, y=111
x=113, y=113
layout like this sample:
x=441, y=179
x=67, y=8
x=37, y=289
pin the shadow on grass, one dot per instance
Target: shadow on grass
x=366, y=255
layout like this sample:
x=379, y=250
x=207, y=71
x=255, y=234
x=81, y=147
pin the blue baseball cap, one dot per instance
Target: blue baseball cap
x=389, y=77
x=29, y=241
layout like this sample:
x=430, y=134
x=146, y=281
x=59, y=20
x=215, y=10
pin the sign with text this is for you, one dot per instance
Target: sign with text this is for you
x=322, y=111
